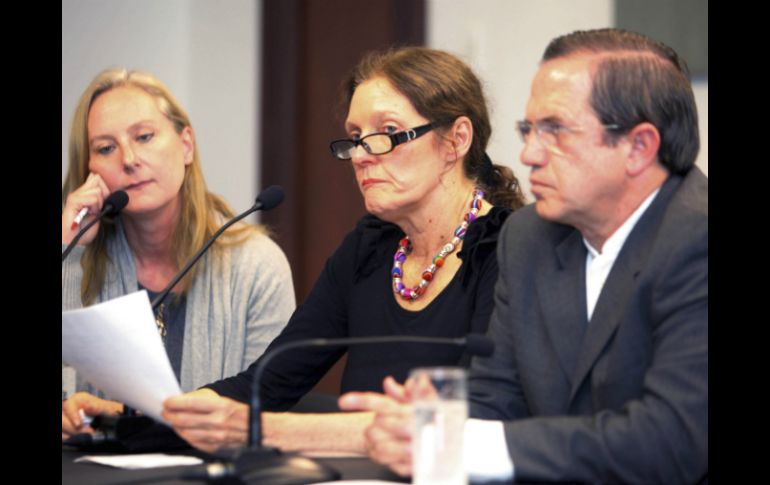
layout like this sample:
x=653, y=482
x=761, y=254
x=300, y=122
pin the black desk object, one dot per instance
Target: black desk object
x=89, y=473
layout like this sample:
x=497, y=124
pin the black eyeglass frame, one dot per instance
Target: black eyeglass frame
x=395, y=138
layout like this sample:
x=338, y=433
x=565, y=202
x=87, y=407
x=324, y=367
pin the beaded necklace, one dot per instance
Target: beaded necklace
x=405, y=247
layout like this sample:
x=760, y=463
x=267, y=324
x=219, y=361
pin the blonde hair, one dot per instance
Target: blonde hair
x=201, y=211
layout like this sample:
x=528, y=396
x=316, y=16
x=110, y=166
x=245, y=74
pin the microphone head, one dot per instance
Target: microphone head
x=479, y=345
x=270, y=197
x=115, y=202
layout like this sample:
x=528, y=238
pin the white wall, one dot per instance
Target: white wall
x=503, y=41
x=701, y=89
x=205, y=51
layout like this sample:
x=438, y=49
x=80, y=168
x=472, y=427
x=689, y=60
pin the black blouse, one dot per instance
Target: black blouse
x=353, y=297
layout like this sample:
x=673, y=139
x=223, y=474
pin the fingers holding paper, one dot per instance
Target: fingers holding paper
x=207, y=421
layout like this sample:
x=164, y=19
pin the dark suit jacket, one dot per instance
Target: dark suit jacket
x=624, y=397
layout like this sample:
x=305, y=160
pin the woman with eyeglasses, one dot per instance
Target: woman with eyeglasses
x=421, y=263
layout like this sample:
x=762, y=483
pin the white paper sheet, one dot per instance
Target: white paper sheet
x=115, y=345
x=359, y=482
x=136, y=461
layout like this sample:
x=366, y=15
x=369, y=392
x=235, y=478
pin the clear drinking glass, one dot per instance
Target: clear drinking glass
x=440, y=411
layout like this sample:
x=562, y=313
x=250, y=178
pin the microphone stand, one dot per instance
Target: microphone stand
x=77, y=237
x=181, y=274
x=264, y=465
x=163, y=294
x=268, y=199
x=113, y=204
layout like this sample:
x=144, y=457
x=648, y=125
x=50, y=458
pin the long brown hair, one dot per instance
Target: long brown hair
x=442, y=87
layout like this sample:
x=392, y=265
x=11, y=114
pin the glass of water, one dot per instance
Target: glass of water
x=440, y=410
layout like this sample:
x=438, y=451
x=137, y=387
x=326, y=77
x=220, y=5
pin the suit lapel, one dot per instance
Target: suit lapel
x=608, y=313
x=561, y=286
x=621, y=283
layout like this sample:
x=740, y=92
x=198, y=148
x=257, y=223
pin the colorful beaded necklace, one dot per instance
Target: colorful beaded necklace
x=405, y=247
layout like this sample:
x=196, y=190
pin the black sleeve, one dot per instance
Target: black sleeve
x=483, y=300
x=494, y=389
x=323, y=315
x=483, y=259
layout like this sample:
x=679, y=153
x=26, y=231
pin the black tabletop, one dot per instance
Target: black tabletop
x=350, y=468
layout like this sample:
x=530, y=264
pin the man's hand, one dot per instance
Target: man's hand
x=389, y=437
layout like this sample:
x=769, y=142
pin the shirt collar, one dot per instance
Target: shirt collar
x=615, y=242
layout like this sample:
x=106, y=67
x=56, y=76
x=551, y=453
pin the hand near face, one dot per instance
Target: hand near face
x=91, y=196
x=207, y=420
x=134, y=146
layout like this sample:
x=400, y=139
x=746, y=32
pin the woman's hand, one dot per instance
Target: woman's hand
x=90, y=195
x=71, y=422
x=207, y=420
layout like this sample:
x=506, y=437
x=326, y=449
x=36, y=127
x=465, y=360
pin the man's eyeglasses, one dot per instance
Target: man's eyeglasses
x=548, y=132
x=379, y=143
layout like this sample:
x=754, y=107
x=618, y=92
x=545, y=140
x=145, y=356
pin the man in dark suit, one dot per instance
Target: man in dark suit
x=600, y=372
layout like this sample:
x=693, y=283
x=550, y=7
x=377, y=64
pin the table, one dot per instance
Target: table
x=89, y=473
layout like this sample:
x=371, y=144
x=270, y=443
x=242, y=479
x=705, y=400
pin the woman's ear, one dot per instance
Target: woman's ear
x=460, y=136
x=188, y=140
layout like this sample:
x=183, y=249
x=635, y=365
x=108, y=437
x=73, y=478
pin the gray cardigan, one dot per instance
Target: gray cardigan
x=237, y=303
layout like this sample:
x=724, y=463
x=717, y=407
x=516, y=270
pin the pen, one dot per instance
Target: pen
x=79, y=218
x=86, y=419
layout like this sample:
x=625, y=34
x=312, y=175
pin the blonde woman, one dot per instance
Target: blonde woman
x=129, y=133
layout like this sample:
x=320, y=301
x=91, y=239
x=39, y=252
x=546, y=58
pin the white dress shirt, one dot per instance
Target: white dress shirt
x=599, y=263
x=492, y=461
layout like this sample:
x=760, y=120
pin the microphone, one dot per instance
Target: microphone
x=270, y=198
x=114, y=203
